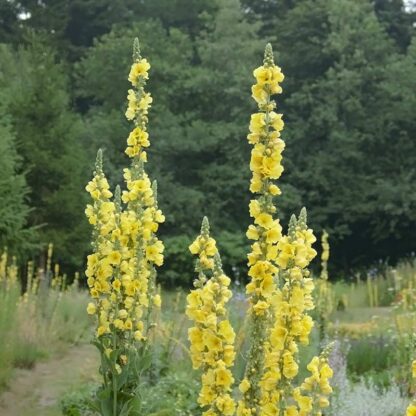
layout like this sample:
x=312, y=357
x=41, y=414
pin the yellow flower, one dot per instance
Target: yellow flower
x=268, y=75
x=326, y=371
x=118, y=323
x=278, y=337
x=252, y=233
x=290, y=367
x=244, y=385
x=411, y=410
x=274, y=234
x=257, y=123
x=255, y=208
x=225, y=405
x=195, y=247
x=274, y=189
x=212, y=342
x=226, y=331
x=114, y=257
x=154, y=253
x=206, y=395
x=259, y=94
x=228, y=355
x=102, y=329
x=260, y=307
x=212, y=336
x=91, y=308
x=323, y=402
x=123, y=314
x=157, y=301
x=138, y=336
x=139, y=69
x=116, y=284
x=276, y=121
x=223, y=377
x=264, y=220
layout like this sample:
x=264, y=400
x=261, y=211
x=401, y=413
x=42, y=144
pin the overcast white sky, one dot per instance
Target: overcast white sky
x=410, y=4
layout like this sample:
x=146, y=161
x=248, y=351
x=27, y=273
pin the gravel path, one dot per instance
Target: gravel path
x=37, y=392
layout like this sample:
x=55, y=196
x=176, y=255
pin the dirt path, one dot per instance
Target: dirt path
x=37, y=392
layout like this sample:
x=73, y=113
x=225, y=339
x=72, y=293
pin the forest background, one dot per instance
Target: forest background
x=348, y=102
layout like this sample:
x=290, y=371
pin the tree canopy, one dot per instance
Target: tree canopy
x=348, y=104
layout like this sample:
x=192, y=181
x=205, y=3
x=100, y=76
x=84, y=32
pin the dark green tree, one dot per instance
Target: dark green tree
x=398, y=20
x=14, y=209
x=48, y=139
x=353, y=165
x=71, y=26
x=9, y=29
x=199, y=120
x=347, y=102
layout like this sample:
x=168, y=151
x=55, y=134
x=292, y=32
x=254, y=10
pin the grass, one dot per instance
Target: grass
x=8, y=318
x=376, y=336
x=34, y=327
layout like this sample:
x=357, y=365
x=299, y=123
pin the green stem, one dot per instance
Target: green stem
x=114, y=377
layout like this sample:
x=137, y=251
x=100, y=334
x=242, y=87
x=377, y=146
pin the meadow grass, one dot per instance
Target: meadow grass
x=377, y=340
x=34, y=327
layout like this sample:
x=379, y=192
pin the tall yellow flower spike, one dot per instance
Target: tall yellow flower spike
x=280, y=288
x=324, y=256
x=324, y=302
x=291, y=323
x=122, y=269
x=139, y=103
x=102, y=215
x=140, y=221
x=266, y=155
x=8, y=272
x=312, y=395
x=212, y=337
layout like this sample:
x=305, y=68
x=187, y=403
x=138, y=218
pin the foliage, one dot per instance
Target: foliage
x=77, y=403
x=14, y=208
x=370, y=354
x=8, y=305
x=348, y=55
x=39, y=322
x=177, y=269
x=173, y=394
x=357, y=78
x=367, y=399
x=47, y=138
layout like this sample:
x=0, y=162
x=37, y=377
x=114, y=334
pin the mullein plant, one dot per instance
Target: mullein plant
x=8, y=270
x=279, y=291
x=324, y=298
x=212, y=337
x=121, y=271
x=324, y=256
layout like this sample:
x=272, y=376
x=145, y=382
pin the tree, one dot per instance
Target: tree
x=199, y=126
x=398, y=21
x=72, y=26
x=198, y=121
x=47, y=135
x=14, y=208
x=349, y=173
x=8, y=20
